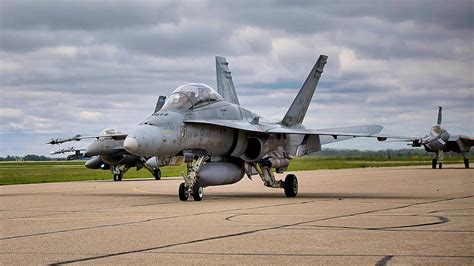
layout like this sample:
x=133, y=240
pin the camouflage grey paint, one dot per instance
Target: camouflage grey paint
x=298, y=108
x=225, y=85
x=438, y=141
x=223, y=128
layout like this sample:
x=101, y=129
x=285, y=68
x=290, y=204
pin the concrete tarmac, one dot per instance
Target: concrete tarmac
x=374, y=216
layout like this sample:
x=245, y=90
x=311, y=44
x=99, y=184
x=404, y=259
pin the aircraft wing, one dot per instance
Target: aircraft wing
x=466, y=140
x=275, y=128
x=79, y=137
x=383, y=137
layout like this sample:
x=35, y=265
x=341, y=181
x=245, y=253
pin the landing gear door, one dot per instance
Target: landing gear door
x=310, y=144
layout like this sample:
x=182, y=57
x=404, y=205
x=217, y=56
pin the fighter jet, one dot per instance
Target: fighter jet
x=107, y=152
x=221, y=141
x=77, y=153
x=439, y=141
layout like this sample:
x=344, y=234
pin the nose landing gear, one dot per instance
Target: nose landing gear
x=191, y=186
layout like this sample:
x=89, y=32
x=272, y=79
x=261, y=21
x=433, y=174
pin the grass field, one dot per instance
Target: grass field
x=60, y=171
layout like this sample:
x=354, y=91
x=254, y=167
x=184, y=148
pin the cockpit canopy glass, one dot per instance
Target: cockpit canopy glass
x=109, y=131
x=191, y=95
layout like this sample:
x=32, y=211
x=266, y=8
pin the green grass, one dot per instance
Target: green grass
x=314, y=163
x=60, y=171
x=41, y=172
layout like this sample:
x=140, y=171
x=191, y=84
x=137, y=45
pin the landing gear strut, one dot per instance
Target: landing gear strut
x=438, y=160
x=290, y=185
x=191, y=186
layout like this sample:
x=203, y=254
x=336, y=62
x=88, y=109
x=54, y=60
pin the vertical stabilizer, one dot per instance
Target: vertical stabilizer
x=440, y=115
x=225, y=85
x=298, y=108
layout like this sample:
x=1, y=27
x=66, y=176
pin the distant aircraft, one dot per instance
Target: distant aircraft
x=108, y=152
x=439, y=141
x=220, y=140
x=76, y=156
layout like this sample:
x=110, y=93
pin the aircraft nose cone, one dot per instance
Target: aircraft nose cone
x=93, y=149
x=130, y=144
x=144, y=141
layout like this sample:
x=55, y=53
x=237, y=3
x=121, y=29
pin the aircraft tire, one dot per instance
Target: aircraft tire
x=440, y=165
x=434, y=162
x=291, y=186
x=157, y=174
x=466, y=163
x=118, y=177
x=182, y=192
x=198, y=192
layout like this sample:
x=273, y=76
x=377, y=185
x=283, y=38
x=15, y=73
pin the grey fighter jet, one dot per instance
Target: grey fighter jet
x=221, y=141
x=77, y=153
x=439, y=141
x=108, y=153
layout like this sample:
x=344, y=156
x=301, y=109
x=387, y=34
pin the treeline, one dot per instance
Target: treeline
x=382, y=153
x=29, y=157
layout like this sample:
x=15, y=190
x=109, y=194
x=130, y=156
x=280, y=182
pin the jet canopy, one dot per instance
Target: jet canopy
x=191, y=95
x=109, y=131
x=436, y=130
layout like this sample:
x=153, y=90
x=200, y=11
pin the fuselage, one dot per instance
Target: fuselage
x=168, y=132
x=436, y=140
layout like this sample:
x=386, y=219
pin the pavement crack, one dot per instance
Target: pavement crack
x=250, y=231
x=383, y=261
x=150, y=220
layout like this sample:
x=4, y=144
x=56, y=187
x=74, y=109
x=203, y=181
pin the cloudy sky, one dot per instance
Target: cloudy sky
x=70, y=67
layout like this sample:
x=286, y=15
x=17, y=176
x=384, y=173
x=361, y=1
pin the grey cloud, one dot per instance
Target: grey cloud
x=85, y=15
x=80, y=66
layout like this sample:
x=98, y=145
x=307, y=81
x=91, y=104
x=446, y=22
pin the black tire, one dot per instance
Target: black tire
x=182, y=192
x=440, y=165
x=198, y=192
x=434, y=162
x=157, y=174
x=466, y=163
x=291, y=186
x=118, y=177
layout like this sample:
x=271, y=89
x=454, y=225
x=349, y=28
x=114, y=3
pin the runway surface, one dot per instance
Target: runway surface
x=373, y=216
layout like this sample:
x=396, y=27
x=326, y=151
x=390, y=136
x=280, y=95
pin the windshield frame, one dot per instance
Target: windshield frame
x=181, y=98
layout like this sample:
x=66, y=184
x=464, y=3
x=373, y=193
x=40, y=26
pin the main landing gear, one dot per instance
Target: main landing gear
x=190, y=186
x=290, y=185
x=439, y=157
x=157, y=173
x=466, y=160
x=118, y=173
